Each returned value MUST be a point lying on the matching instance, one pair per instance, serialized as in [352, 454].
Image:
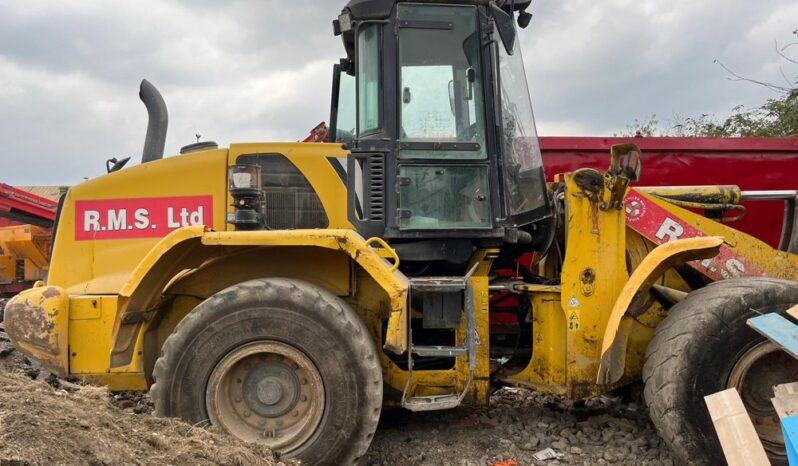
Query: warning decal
[574, 320]
[153, 217]
[660, 226]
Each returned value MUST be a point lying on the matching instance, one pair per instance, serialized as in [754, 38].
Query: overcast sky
[259, 70]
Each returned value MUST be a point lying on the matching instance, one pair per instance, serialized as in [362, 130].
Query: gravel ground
[518, 424]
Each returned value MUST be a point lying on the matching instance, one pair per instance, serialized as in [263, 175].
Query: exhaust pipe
[158, 121]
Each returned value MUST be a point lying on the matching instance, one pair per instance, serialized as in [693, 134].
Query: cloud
[245, 70]
[600, 65]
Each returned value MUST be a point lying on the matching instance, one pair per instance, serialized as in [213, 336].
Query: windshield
[522, 167]
[441, 103]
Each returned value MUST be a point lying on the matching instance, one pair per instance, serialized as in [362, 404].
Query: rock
[126, 404]
[529, 446]
[576, 451]
[653, 441]
[560, 445]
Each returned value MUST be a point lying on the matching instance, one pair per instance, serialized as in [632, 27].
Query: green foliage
[775, 118]
[644, 128]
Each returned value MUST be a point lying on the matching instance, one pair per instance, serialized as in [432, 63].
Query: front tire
[704, 346]
[279, 362]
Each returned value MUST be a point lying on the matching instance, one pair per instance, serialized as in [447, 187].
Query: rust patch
[51, 293]
[31, 324]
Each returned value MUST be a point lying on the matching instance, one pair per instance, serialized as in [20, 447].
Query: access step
[440, 351]
[431, 403]
[438, 284]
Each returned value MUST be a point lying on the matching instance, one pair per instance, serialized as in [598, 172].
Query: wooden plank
[786, 405]
[735, 430]
[785, 389]
[778, 330]
[793, 312]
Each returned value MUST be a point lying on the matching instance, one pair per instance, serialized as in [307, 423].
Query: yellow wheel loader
[287, 292]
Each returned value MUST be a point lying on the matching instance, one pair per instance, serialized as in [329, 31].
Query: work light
[244, 184]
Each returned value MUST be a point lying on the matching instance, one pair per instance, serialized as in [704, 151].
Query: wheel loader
[287, 292]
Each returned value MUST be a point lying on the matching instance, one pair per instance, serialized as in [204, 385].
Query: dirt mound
[40, 424]
[46, 420]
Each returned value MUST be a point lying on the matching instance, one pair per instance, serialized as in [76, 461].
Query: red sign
[661, 226]
[153, 217]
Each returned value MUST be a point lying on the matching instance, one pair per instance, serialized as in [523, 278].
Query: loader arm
[713, 249]
[741, 255]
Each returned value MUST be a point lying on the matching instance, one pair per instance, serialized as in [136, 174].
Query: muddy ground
[46, 420]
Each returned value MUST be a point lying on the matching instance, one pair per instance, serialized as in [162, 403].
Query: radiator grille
[289, 200]
[292, 208]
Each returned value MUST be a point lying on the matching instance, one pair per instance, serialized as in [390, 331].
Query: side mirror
[626, 162]
[506, 27]
[631, 165]
[625, 165]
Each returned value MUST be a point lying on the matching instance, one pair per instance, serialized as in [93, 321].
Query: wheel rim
[754, 375]
[266, 392]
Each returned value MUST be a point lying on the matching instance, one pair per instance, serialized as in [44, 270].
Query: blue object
[779, 330]
[789, 427]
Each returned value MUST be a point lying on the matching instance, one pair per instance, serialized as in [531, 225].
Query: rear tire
[281, 362]
[704, 346]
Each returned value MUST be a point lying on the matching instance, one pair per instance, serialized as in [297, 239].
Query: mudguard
[663, 257]
[37, 321]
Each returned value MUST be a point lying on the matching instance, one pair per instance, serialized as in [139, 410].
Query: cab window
[368, 78]
[441, 101]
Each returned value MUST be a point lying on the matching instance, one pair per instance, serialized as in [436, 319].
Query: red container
[750, 163]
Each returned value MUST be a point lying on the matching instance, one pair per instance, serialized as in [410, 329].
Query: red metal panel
[13, 199]
[153, 217]
[750, 163]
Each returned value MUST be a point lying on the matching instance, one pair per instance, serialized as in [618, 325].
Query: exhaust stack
[157, 124]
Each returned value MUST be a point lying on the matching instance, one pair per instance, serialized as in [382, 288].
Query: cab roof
[381, 9]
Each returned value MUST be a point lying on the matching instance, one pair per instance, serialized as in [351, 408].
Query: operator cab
[433, 103]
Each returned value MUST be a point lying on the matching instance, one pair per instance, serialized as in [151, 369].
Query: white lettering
[197, 217]
[733, 269]
[91, 220]
[170, 218]
[117, 220]
[183, 216]
[142, 219]
[671, 229]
